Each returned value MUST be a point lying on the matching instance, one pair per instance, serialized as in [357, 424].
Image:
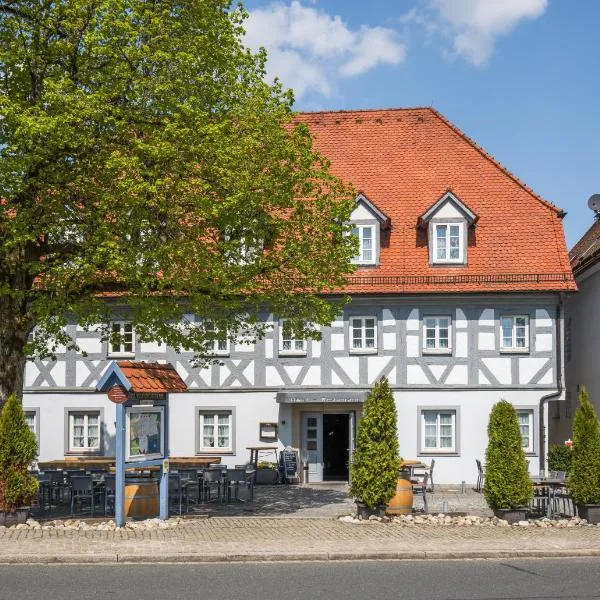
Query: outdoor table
[412, 465]
[550, 485]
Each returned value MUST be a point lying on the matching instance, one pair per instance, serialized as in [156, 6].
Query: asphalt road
[420, 580]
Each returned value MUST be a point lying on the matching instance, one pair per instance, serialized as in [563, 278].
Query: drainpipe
[560, 313]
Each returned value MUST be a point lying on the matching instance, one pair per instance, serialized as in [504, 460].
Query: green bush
[18, 448]
[559, 458]
[584, 478]
[507, 483]
[376, 462]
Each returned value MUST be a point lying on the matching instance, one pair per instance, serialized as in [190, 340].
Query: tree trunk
[15, 328]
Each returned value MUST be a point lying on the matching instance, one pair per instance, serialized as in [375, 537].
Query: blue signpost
[142, 429]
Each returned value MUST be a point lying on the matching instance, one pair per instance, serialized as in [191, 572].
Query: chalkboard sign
[288, 463]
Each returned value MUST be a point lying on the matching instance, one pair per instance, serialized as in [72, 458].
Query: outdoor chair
[419, 488]
[213, 478]
[178, 491]
[236, 479]
[430, 474]
[82, 491]
[480, 476]
[190, 481]
[44, 491]
[109, 493]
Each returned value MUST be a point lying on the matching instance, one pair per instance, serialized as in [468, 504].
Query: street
[550, 579]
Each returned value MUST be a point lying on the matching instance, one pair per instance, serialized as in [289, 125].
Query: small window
[364, 334]
[220, 344]
[31, 419]
[366, 244]
[288, 343]
[448, 243]
[436, 335]
[515, 333]
[525, 418]
[126, 345]
[84, 431]
[215, 431]
[438, 431]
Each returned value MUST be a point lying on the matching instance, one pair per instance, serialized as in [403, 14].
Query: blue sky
[519, 76]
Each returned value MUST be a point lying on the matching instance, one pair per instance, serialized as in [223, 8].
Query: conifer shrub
[560, 457]
[584, 478]
[507, 483]
[376, 460]
[18, 448]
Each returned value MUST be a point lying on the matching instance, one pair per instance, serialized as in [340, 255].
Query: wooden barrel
[401, 503]
[141, 497]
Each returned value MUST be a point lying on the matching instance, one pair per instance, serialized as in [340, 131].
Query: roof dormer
[367, 223]
[447, 223]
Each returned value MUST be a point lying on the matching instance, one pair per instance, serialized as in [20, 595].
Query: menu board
[289, 464]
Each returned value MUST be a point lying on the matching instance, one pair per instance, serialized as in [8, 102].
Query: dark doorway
[336, 442]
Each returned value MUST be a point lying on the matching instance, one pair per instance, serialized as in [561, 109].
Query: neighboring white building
[457, 300]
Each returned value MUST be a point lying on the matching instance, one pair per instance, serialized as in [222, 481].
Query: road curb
[181, 558]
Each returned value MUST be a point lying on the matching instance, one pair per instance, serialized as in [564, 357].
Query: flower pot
[512, 515]
[19, 516]
[589, 512]
[265, 476]
[363, 511]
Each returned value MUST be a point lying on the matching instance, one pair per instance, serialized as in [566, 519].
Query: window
[220, 343]
[364, 334]
[525, 418]
[515, 333]
[216, 431]
[126, 345]
[366, 241]
[84, 431]
[438, 430]
[242, 247]
[30, 419]
[448, 243]
[436, 335]
[288, 343]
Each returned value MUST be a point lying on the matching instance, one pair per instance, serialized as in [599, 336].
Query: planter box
[14, 518]
[265, 476]
[512, 515]
[364, 512]
[589, 512]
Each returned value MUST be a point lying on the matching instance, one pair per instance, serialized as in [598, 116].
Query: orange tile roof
[586, 252]
[404, 160]
[151, 377]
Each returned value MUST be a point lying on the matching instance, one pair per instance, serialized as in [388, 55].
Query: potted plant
[584, 478]
[507, 487]
[376, 462]
[18, 449]
[266, 472]
[560, 457]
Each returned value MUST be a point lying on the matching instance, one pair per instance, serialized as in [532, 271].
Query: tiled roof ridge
[587, 250]
[456, 130]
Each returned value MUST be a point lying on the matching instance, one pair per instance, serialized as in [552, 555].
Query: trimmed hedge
[560, 458]
[507, 483]
[376, 460]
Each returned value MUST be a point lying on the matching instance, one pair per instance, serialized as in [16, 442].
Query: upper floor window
[366, 244]
[515, 333]
[448, 243]
[220, 342]
[288, 342]
[436, 335]
[364, 334]
[125, 345]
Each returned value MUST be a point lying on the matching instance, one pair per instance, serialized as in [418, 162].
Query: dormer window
[366, 238]
[448, 242]
[367, 223]
[447, 223]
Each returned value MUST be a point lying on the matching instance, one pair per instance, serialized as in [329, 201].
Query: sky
[521, 77]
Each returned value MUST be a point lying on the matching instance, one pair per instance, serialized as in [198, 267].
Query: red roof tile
[151, 377]
[404, 160]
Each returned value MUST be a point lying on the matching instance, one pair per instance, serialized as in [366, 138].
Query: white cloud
[309, 49]
[476, 24]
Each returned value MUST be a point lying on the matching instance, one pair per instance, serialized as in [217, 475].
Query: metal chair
[190, 481]
[236, 478]
[109, 492]
[44, 491]
[213, 478]
[82, 491]
[430, 473]
[419, 488]
[177, 491]
[480, 476]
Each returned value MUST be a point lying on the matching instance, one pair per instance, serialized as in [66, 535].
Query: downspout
[560, 313]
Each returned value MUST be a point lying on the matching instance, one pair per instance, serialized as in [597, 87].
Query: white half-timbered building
[457, 300]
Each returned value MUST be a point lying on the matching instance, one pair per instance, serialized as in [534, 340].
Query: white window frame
[530, 448]
[215, 414]
[36, 417]
[363, 349]
[297, 345]
[218, 347]
[513, 347]
[437, 349]
[360, 259]
[113, 349]
[144, 409]
[438, 449]
[461, 242]
[86, 415]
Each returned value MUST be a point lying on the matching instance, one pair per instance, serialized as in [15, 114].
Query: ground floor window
[525, 418]
[215, 430]
[84, 431]
[438, 430]
[32, 421]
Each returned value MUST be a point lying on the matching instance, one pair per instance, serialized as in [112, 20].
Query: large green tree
[145, 165]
